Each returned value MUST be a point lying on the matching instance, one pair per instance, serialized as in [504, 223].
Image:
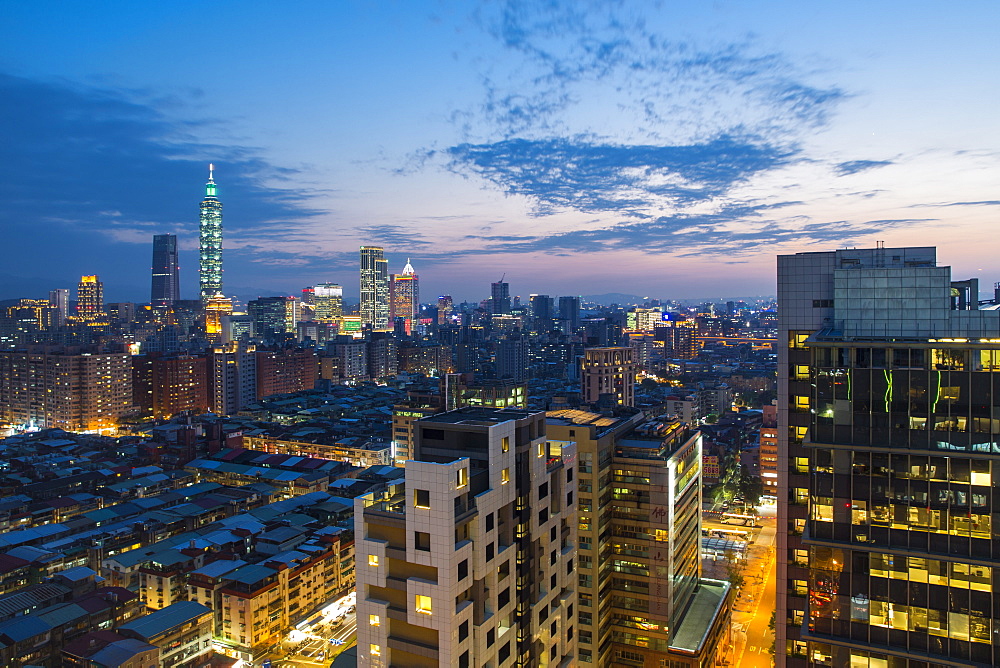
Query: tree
[751, 488]
[734, 571]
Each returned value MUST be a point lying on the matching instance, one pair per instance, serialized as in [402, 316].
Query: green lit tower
[210, 245]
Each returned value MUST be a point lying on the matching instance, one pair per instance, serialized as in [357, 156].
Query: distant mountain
[614, 298]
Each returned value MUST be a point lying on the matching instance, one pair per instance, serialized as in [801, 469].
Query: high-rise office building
[404, 297]
[165, 288]
[210, 242]
[59, 299]
[500, 298]
[307, 304]
[569, 314]
[328, 302]
[445, 304]
[270, 316]
[236, 327]
[542, 312]
[90, 298]
[374, 288]
[610, 371]
[888, 463]
[470, 560]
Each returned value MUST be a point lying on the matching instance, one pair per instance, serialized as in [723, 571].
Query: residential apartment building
[608, 371]
[73, 388]
[643, 600]
[260, 602]
[285, 371]
[232, 375]
[888, 463]
[470, 560]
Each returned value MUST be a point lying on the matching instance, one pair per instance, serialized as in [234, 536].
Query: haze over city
[667, 150]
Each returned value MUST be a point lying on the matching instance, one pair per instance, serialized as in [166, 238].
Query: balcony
[413, 647]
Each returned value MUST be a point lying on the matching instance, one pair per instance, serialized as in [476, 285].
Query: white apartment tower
[470, 560]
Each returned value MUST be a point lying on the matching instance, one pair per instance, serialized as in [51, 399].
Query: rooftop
[700, 616]
[474, 414]
[161, 621]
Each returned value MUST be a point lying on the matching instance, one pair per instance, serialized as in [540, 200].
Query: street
[752, 612]
[317, 641]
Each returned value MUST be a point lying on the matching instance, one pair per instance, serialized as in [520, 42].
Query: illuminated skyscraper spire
[404, 297]
[210, 244]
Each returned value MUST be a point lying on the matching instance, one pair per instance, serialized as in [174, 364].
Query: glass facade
[374, 288]
[902, 497]
[891, 479]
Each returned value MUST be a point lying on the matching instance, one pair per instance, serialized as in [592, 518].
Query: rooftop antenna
[211, 177]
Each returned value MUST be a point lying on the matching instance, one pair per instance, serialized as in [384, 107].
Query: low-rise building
[182, 631]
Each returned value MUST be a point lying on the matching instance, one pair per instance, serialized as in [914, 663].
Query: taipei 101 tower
[210, 246]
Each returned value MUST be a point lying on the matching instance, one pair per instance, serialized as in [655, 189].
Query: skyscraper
[888, 463]
[328, 302]
[90, 298]
[374, 288]
[542, 312]
[210, 242]
[445, 304]
[500, 293]
[165, 288]
[404, 297]
[270, 316]
[569, 314]
[59, 299]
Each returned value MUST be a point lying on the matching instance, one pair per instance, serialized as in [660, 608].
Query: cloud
[658, 139]
[563, 173]
[987, 202]
[855, 166]
[393, 235]
[599, 56]
[736, 230]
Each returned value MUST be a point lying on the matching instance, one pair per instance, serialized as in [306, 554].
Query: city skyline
[687, 144]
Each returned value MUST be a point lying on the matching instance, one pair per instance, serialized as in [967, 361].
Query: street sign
[337, 641]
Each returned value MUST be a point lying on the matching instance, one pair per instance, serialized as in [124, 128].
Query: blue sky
[667, 149]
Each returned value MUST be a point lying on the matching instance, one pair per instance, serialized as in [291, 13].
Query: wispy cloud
[986, 202]
[855, 166]
[598, 54]
[565, 173]
[684, 126]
